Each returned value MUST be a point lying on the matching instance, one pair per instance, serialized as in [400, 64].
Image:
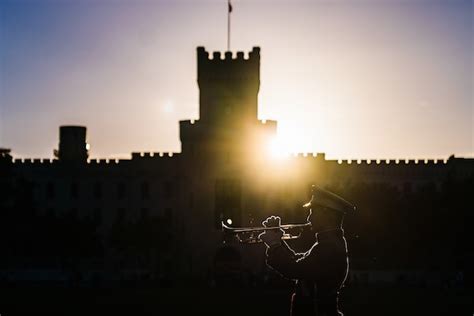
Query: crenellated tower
[228, 103]
[228, 87]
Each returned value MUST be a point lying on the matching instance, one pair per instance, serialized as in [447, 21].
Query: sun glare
[289, 140]
[277, 149]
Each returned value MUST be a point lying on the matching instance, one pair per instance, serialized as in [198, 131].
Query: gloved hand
[271, 237]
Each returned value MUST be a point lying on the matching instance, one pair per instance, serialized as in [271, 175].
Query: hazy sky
[354, 79]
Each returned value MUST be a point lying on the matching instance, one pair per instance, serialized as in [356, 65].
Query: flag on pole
[229, 10]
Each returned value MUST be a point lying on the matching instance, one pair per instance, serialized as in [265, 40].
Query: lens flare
[277, 148]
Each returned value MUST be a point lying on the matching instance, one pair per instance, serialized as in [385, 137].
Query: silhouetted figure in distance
[321, 271]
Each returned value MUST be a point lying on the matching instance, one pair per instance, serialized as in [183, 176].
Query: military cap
[321, 197]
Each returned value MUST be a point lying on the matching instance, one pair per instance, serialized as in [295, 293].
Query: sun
[277, 149]
[289, 140]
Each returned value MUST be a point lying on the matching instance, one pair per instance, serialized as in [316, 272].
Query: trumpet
[249, 235]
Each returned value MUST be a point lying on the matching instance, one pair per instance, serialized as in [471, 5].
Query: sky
[356, 79]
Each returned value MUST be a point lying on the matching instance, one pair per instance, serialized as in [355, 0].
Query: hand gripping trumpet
[249, 235]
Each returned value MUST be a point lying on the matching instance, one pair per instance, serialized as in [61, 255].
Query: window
[407, 187]
[50, 212]
[168, 214]
[120, 215]
[74, 212]
[97, 215]
[144, 213]
[168, 189]
[97, 190]
[121, 190]
[50, 192]
[74, 190]
[145, 190]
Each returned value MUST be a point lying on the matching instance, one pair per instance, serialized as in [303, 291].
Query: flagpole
[228, 24]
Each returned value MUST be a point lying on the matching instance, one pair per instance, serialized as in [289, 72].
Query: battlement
[227, 66]
[269, 126]
[268, 122]
[362, 162]
[38, 161]
[400, 162]
[35, 161]
[308, 156]
[110, 161]
[153, 155]
[203, 55]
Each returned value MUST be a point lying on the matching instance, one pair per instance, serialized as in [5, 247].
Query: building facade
[223, 173]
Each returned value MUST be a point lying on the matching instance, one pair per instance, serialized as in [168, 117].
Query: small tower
[228, 87]
[228, 104]
[72, 144]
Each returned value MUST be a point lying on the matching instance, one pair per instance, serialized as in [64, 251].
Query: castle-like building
[223, 172]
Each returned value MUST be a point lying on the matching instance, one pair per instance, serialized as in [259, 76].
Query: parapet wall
[110, 161]
[35, 161]
[305, 156]
[272, 124]
[152, 155]
[228, 66]
[45, 162]
[394, 161]
[307, 159]
[204, 56]
[309, 156]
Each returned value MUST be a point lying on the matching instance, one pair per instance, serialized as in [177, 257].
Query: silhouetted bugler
[320, 272]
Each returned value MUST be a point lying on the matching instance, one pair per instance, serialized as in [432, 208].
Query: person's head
[326, 209]
[324, 218]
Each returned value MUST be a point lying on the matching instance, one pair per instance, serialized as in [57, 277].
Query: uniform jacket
[319, 273]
